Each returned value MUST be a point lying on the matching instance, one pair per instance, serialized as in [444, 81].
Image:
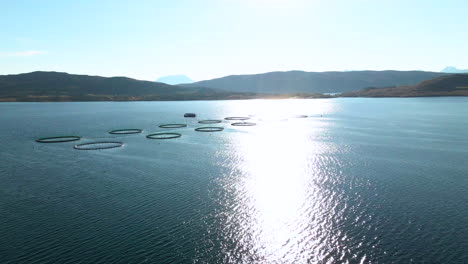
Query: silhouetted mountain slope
[451, 85]
[59, 86]
[315, 82]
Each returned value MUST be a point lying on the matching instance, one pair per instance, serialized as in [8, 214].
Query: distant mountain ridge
[315, 82]
[174, 79]
[451, 69]
[450, 85]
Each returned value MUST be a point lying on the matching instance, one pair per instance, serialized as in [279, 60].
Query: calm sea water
[357, 181]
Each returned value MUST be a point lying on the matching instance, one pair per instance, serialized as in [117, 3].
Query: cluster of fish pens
[241, 121]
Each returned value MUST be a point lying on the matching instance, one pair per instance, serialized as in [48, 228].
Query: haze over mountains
[315, 82]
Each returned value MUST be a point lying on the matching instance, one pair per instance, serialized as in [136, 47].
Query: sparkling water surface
[356, 181]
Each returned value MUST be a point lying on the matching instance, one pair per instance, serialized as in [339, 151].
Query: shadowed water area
[355, 181]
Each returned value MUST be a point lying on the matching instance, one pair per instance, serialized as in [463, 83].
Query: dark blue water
[357, 181]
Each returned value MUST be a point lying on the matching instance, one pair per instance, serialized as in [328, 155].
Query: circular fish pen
[243, 124]
[126, 131]
[209, 129]
[99, 145]
[209, 121]
[59, 139]
[173, 125]
[163, 135]
[240, 118]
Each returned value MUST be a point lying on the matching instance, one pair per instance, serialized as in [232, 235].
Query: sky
[205, 39]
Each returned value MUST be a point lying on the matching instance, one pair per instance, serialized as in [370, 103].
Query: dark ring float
[99, 145]
[163, 135]
[125, 131]
[243, 124]
[237, 118]
[209, 121]
[209, 129]
[173, 126]
[59, 139]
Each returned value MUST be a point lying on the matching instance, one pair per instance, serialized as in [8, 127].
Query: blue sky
[205, 39]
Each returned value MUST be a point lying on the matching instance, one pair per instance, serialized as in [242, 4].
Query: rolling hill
[315, 82]
[450, 85]
[59, 86]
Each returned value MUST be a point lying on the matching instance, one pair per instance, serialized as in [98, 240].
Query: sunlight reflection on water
[278, 211]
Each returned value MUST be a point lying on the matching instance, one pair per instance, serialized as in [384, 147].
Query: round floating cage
[126, 131]
[163, 135]
[173, 126]
[299, 116]
[58, 139]
[99, 145]
[209, 121]
[243, 124]
[237, 118]
[209, 129]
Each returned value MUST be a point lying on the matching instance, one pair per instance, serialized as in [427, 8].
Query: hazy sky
[204, 39]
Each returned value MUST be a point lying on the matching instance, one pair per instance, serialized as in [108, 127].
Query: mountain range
[449, 85]
[59, 86]
[315, 82]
